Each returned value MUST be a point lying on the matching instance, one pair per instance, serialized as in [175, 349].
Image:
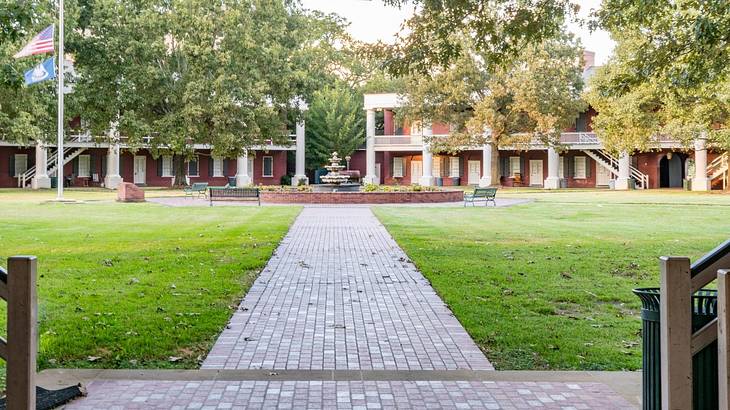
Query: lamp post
[348, 158]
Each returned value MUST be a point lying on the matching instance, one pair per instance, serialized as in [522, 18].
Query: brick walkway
[339, 293]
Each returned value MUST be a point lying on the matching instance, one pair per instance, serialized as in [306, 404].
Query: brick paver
[339, 293]
[347, 395]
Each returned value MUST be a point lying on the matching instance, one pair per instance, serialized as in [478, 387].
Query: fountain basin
[347, 187]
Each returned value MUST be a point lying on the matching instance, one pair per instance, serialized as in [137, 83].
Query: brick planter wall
[361, 197]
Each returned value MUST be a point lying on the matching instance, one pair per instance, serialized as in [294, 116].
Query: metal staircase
[719, 168]
[68, 155]
[609, 162]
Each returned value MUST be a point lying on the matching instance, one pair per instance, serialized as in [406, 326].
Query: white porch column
[41, 179]
[242, 177]
[486, 179]
[300, 176]
[553, 180]
[700, 182]
[370, 177]
[112, 178]
[624, 172]
[427, 176]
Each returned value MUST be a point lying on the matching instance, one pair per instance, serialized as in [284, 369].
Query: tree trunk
[496, 169]
[179, 172]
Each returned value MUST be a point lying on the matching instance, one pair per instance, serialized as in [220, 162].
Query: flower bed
[376, 197]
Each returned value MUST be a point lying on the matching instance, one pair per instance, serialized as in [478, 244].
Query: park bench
[199, 188]
[232, 193]
[481, 194]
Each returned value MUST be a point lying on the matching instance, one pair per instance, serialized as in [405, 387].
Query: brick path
[339, 293]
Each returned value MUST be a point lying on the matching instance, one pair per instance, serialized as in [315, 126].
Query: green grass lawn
[547, 285]
[136, 285]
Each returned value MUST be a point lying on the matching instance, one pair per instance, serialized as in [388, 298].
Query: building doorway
[671, 170]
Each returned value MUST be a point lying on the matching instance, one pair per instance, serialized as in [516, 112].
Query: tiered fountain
[335, 180]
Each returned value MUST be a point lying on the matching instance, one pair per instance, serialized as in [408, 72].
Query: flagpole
[59, 161]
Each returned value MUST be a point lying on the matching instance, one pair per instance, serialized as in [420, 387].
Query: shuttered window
[193, 167]
[455, 169]
[167, 166]
[84, 166]
[561, 167]
[579, 164]
[398, 167]
[217, 167]
[514, 166]
[268, 166]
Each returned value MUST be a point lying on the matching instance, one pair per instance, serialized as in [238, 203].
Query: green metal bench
[228, 193]
[481, 194]
[198, 188]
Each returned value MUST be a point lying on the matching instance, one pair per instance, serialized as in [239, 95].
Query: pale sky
[371, 21]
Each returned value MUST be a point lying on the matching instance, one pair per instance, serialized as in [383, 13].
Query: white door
[474, 172]
[416, 172]
[602, 175]
[536, 172]
[140, 170]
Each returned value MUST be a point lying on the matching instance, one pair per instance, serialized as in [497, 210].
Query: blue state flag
[42, 72]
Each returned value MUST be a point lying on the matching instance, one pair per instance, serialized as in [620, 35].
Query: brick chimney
[589, 59]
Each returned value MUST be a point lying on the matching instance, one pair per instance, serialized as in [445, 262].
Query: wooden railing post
[22, 346]
[723, 338]
[676, 333]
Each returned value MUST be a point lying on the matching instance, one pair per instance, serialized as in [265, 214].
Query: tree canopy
[536, 96]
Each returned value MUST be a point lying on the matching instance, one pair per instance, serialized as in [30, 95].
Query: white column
[624, 172]
[700, 182]
[486, 179]
[242, 177]
[300, 176]
[370, 177]
[112, 178]
[41, 178]
[553, 181]
[427, 176]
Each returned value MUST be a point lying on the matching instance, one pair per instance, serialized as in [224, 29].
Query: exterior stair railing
[608, 161]
[68, 155]
[680, 280]
[719, 168]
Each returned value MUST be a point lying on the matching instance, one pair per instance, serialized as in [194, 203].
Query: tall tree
[534, 97]
[335, 122]
[174, 73]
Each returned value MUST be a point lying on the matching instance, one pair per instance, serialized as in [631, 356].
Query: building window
[561, 167]
[84, 166]
[166, 165]
[268, 170]
[455, 169]
[21, 164]
[217, 167]
[193, 170]
[397, 167]
[436, 166]
[579, 171]
[514, 166]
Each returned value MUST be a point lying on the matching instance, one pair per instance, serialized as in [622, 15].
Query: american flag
[42, 43]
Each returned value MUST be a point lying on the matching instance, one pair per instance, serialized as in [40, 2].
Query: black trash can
[54, 182]
[704, 363]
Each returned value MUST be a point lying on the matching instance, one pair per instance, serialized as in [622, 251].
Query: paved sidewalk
[339, 293]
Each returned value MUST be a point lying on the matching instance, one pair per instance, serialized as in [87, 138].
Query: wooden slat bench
[481, 194]
[233, 193]
[199, 188]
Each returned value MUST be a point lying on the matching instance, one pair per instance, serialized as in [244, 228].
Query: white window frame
[515, 166]
[17, 160]
[197, 167]
[84, 166]
[398, 167]
[436, 167]
[263, 166]
[576, 168]
[454, 168]
[561, 167]
[167, 166]
[217, 167]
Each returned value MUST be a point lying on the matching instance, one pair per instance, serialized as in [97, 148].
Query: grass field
[135, 285]
[547, 285]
